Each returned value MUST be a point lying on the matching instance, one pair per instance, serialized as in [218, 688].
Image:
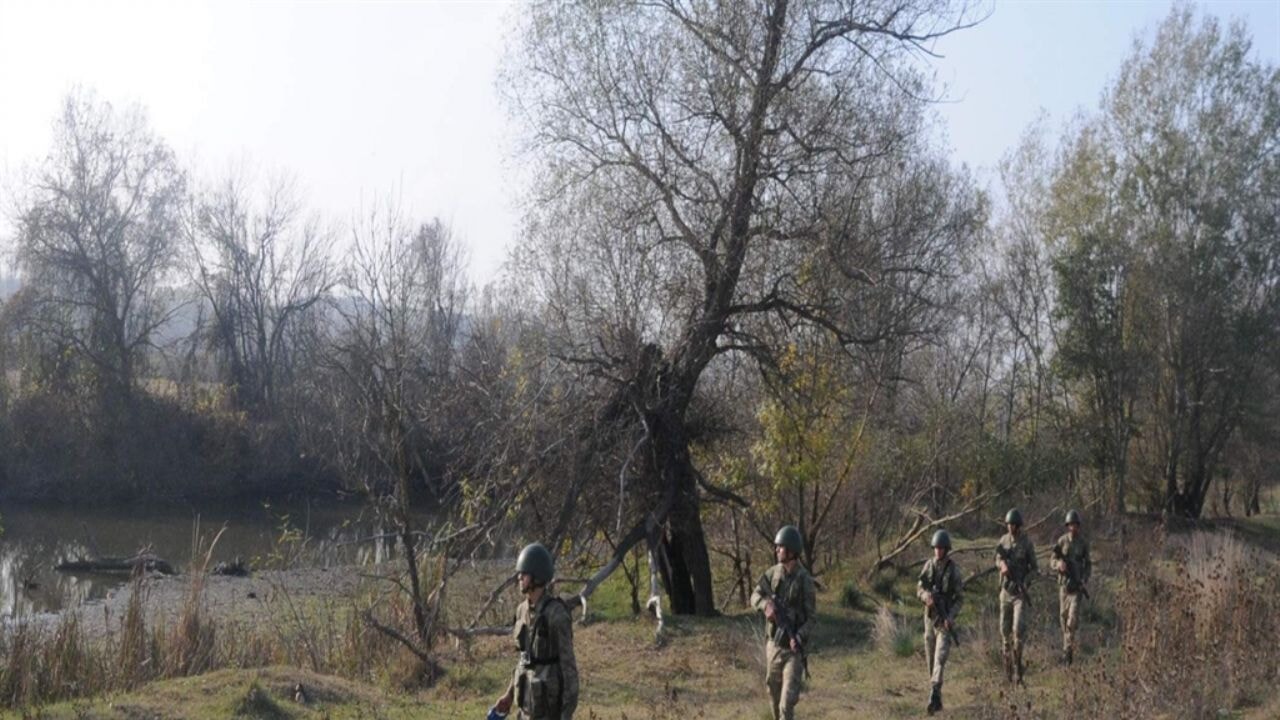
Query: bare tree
[97, 236]
[400, 313]
[260, 266]
[706, 166]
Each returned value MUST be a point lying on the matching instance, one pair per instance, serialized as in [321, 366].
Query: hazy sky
[361, 99]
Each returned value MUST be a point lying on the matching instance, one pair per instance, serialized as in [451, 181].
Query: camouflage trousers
[1069, 608]
[1013, 622]
[937, 647]
[783, 678]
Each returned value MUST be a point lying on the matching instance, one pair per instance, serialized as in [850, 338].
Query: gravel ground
[226, 600]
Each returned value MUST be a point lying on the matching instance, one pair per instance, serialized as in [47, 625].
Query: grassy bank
[1177, 628]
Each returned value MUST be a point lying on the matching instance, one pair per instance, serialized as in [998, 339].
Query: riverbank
[300, 532]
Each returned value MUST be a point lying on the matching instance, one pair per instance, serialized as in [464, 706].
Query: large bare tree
[97, 235]
[705, 168]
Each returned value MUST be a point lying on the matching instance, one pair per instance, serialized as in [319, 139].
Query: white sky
[362, 99]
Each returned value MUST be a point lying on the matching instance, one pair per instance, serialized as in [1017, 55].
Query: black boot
[1008, 667]
[1017, 661]
[935, 700]
[1068, 655]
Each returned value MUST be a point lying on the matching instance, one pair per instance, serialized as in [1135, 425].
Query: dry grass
[1197, 620]
[893, 635]
[43, 664]
[1184, 629]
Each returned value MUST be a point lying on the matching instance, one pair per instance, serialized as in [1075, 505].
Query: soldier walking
[545, 686]
[1074, 566]
[1016, 561]
[785, 594]
[939, 589]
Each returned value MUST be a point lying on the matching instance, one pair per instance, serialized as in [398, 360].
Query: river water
[35, 539]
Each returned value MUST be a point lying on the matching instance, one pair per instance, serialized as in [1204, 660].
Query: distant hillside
[190, 306]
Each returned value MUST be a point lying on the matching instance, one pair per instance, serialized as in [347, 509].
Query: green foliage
[811, 433]
[612, 599]
[850, 597]
[804, 422]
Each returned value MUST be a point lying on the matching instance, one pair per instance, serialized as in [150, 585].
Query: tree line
[750, 288]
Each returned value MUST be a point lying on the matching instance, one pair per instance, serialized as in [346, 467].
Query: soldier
[785, 594]
[939, 589]
[545, 686]
[1016, 561]
[1074, 567]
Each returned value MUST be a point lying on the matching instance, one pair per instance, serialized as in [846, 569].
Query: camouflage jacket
[941, 577]
[1021, 554]
[546, 678]
[1079, 564]
[795, 591]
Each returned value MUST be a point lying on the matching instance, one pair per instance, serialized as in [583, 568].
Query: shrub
[893, 635]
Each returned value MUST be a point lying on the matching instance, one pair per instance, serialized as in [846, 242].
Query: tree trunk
[1253, 504]
[688, 580]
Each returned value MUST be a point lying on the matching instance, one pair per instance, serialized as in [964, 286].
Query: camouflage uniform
[1021, 554]
[785, 670]
[546, 680]
[1076, 553]
[943, 578]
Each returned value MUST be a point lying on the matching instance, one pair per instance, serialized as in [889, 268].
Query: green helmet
[1013, 517]
[1073, 516]
[941, 539]
[536, 560]
[789, 537]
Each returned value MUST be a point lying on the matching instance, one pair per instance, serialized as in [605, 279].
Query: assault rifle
[1074, 583]
[786, 631]
[1020, 582]
[941, 611]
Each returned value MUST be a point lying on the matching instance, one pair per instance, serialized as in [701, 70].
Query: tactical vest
[1073, 552]
[1019, 559]
[941, 583]
[539, 684]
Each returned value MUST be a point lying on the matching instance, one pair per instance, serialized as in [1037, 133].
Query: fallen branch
[637, 533]
[978, 548]
[923, 523]
[146, 562]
